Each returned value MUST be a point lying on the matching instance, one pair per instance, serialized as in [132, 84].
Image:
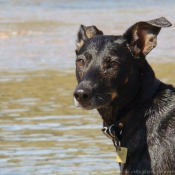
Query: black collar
[114, 131]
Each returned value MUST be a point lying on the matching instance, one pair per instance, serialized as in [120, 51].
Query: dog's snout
[82, 95]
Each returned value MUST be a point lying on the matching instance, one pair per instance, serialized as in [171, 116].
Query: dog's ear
[142, 36]
[85, 33]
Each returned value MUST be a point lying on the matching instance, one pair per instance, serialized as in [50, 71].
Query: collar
[114, 131]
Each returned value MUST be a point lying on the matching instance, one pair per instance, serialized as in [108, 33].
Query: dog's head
[108, 67]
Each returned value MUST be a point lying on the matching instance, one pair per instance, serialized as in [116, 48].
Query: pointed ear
[142, 36]
[85, 33]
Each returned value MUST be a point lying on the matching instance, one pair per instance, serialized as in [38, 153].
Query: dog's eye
[114, 64]
[80, 62]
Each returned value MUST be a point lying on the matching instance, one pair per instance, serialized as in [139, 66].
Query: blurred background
[41, 132]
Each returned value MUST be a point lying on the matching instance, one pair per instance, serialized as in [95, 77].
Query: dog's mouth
[83, 105]
[89, 102]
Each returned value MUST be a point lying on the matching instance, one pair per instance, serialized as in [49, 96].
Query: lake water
[41, 132]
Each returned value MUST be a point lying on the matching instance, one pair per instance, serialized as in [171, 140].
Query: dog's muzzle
[83, 94]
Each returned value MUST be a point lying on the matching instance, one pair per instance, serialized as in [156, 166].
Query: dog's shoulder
[161, 128]
[161, 112]
[165, 97]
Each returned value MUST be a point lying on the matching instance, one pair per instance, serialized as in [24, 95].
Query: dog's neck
[113, 113]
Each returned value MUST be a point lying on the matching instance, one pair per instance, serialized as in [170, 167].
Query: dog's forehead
[102, 43]
[103, 40]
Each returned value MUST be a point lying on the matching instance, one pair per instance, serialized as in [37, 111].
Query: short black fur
[115, 78]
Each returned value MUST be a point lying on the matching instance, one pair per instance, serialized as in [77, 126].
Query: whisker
[101, 98]
[105, 93]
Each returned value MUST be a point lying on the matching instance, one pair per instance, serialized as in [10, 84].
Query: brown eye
[114, 64]
[80, 62]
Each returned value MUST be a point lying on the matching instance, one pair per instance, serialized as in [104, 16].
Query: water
[41, 132]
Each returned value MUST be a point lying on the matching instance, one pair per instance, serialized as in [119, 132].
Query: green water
[41, 131]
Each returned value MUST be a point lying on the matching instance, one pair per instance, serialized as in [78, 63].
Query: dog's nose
[82, 95]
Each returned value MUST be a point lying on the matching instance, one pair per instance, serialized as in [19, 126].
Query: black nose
[82, 95]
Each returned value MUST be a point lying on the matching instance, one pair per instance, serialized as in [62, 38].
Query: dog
[137, 109]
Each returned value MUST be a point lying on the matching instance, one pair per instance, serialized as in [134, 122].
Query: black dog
[137, 109]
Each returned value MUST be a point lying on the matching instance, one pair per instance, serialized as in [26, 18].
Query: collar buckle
[111, 133]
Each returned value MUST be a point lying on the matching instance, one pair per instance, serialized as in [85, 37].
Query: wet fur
[150, 135]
